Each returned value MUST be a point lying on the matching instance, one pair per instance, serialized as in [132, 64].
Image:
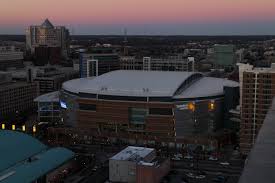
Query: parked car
[177, 157]
[200, 176]
[188, 157]
[213, 158]
[95, 168]
[224, 163]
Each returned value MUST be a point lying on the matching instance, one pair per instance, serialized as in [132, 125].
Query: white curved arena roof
[149, 84]
[206, 87]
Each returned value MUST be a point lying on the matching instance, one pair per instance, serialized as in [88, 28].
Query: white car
[200, 176]
[212, 158]
[179, 155]
[191, 175]
[95, 168]
[224, 163]
[176, 158]
[188, 157]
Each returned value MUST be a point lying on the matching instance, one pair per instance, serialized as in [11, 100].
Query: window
[87, 107]
[137, 115]
[161, 111]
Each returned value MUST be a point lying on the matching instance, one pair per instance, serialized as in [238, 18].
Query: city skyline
[173, 17]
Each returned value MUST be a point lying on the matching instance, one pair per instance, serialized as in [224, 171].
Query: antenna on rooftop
[125, 41]
[125, 35]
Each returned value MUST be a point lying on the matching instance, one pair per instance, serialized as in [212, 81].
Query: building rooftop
[132, 153]
[24, 159]
[206, 87]
[13, 85]
[149, 84]
[251, 68]
[260, 166]
[41, 71]
[47, 24]
[48, 97]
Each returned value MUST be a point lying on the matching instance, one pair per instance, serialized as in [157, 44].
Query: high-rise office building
[47, 35]
[257, 92]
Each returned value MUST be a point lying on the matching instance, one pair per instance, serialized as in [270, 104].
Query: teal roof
[24, 159]
[16, 147]
[40, 165]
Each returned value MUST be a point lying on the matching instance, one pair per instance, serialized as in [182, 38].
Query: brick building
[257, 92]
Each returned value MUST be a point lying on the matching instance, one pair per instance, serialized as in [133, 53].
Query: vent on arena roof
[145, 89]
[104, 88]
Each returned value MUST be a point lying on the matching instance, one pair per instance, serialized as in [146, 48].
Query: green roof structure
[24, 159]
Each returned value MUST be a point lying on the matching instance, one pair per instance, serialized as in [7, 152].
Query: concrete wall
[122, 171]
[152, 174]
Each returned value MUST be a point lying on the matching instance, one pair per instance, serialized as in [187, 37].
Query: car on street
[95, 168]
[177, 157]
[188, 157]
[213, 158]
[225, 163]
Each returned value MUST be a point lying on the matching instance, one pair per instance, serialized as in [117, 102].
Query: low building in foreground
[137, 164]
[24, 159]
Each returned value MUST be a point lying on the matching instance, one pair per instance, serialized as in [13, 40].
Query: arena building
[149, 106]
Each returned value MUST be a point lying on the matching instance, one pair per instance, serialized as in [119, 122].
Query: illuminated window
[13, 127]
[191, 106]
[3, 126]
[23, 128]
[34, 129]
[211, 105]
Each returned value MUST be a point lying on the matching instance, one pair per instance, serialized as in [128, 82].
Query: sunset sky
[188, 17]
